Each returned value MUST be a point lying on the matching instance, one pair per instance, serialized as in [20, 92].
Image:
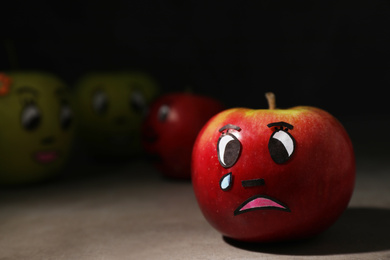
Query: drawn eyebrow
[229, 126]
[135, 85]
[27, 89]
[281, 124]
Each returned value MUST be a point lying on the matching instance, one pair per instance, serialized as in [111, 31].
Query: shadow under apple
[358, 230]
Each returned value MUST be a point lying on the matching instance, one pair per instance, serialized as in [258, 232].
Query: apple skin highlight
[316, 183]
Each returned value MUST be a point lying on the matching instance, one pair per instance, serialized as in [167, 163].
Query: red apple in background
[171, 127]
[272, 175]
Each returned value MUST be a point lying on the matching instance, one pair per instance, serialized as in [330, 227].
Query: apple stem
[271, 100]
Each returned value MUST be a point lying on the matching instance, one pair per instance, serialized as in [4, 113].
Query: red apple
[272, 174]
[171, 127]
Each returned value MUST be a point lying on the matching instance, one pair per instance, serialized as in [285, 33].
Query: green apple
[110, 108]
[36, 126]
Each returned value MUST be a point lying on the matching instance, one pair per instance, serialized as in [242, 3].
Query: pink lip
[45, 156]
[260, 202]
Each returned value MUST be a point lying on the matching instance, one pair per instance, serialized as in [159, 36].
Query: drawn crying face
[281, 147]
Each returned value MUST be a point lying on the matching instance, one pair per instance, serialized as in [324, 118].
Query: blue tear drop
[226, 181]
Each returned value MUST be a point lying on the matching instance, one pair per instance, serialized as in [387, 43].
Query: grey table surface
[128, 211]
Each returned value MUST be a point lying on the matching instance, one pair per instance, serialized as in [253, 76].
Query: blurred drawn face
[36, 126]
[111, 108]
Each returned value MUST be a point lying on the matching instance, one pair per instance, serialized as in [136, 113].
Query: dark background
[331, 54]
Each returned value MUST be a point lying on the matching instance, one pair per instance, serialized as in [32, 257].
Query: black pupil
[232, 151]
[100, 102]
[31, 117]
[277, 151]
[66, 117]
[137, 103]
[163, 113]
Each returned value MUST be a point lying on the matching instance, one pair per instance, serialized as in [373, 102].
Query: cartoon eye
[229, 149]
[66, 116]
[137, 102]
[100, 102]
[163, 113]
[31, 117]
[281, 146]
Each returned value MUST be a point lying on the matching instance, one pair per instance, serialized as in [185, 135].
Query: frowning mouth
[258, 202]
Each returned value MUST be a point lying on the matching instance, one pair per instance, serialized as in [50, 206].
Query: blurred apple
[110, 108]
[36, 126]
[171, 127]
